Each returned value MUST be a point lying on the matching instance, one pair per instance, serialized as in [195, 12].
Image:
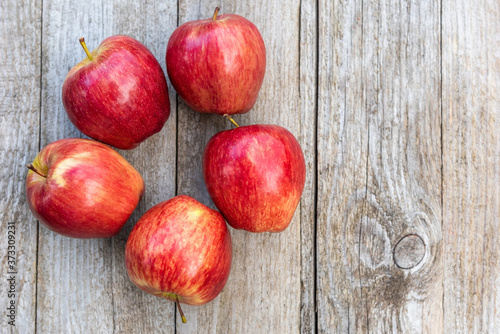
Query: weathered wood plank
[379, 166]
[19, 129]
[263, 291]
[308, 110]
[84, 282]
[471, 166]
[74, 276]
[342, 156]
[405, 167]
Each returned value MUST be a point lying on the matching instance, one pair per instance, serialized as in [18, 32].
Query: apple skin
[180, 250]
[89, 190]
[217, 66]
[120, 97]
[255, 175]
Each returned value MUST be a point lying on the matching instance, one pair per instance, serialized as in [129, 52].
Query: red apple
[81, 188]
[217, 65]
[180, 250]
[255, 176]
[118, 94]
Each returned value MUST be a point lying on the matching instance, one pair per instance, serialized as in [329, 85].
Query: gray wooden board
[74, 276]
[308, 76]
[379, 165]
[19, 127]
[395, 104]
[263, 291]
[84, 282]
[471, 166]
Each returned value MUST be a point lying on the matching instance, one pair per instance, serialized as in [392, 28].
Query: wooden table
[395, 104]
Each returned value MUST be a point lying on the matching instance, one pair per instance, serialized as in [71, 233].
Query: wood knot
[409, 251]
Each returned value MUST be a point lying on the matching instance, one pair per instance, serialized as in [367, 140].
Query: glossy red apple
[118, 94]
[217, 65]
[81, 188]
[255, 175]
[180, 250]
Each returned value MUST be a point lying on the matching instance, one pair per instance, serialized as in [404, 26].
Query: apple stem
[215, 13]
[31, 167]
[82, 42]
[231, 120]
[180, 311]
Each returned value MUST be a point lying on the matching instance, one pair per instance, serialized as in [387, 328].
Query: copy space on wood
[379, 166]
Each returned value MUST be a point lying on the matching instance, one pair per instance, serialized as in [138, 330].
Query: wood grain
[308, 107]
[263, 291]
[471, 166]
[84, 281]
[19, 127]
[74, 276]
[379, 165]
